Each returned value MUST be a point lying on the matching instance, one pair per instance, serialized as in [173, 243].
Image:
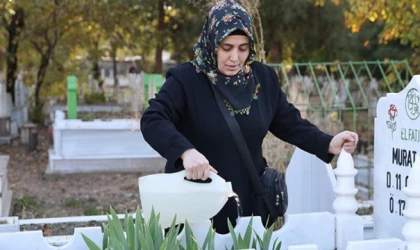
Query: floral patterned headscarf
[241, 89]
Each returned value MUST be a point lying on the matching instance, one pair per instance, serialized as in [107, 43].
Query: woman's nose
[234, 56]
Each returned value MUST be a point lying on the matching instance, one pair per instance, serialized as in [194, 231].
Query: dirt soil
[37, 195]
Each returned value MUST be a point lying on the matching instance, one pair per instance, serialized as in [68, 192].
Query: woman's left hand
[346, 139]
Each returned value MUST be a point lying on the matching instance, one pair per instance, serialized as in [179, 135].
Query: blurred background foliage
[50, 39]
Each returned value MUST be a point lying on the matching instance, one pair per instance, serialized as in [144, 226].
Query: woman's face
[232, 53]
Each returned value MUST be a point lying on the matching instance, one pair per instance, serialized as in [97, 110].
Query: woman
[184, 123]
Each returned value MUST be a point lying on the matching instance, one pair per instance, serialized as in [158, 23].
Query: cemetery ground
[37, 195]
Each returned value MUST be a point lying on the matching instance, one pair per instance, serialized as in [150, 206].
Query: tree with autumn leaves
[399, 21]
[50, 39]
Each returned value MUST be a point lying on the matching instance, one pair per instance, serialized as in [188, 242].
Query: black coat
[185, 115]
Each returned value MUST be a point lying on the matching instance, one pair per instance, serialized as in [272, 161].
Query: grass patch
[25, 207]
[72, 203]
[88, 117]
[365, 211]
[26, 203]
[90, 210]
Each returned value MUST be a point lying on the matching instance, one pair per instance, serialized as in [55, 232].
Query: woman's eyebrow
[231, 45]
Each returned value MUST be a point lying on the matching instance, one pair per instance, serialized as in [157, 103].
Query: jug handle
[208, 180]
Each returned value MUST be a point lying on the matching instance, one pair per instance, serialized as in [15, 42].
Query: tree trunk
[14, 30]
[114, 69]
[276, 52]
[95, 69]
[45, 60]
[161, 30]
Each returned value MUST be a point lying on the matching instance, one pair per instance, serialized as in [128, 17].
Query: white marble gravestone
[310, 184]
[397, 142]
[3, 101]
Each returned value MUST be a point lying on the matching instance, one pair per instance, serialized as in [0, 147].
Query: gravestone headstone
[397, 142]
[152, 84]
[72, 97]
[3, 100]
[310, 184]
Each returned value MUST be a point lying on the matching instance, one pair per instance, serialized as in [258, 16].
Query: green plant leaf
[105, 238]
[209, 240]
[264, 243]
[233, 234]
[139, 226]
[164, 245]
[275, 246]
[172, 235]
[267, 237]
[91, 245]
[143, 241]
[248, 235]
[188, 236]
[129, 228]
[155, 230]
[260, 241]
[147, 234]
[158, 233]
[181, 248]
[240, 242]
[116, 229]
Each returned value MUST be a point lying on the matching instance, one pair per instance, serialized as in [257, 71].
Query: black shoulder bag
[270, 188]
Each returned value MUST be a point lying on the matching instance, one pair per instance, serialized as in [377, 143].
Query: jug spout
[229, 189]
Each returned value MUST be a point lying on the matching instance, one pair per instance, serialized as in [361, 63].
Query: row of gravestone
[4, 108]
[14, 116]
[5, 192]
[397, 210]
[304, 231]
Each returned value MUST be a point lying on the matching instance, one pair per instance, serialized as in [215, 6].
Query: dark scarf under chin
[238, 96]
[240, 90]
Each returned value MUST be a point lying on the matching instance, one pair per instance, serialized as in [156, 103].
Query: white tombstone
[21, 102]
[310, 183]
[376, 244]
[3, 100]
[303, 247]
[397, 141]
[5, 192]
[137, 92]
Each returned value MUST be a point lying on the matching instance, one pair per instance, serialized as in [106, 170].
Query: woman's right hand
[197, 165]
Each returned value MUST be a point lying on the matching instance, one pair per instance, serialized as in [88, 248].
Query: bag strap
[240, 143]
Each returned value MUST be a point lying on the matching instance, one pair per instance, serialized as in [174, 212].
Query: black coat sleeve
[289, 126]
[158, 123]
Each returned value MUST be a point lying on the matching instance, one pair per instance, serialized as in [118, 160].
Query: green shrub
[247, 241]
[138, 234]
[90, 210]
[88, 117]
[36, 115]
[26, 202]
[94, 98]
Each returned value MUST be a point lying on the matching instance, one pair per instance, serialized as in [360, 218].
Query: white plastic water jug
[172, 194]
